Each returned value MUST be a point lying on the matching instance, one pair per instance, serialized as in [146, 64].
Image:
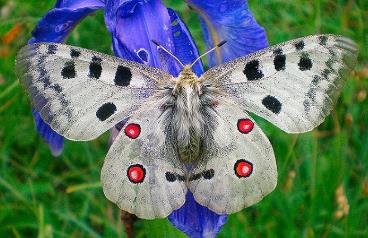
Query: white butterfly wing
[142, 173]
[81, 93]
[294, 84]
[237, 168]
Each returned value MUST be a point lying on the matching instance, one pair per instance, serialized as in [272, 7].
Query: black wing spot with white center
[305, 63]
[252, 71]
[123, 76]
[68, 70]
[74, 53]
[95, 68]
[299, 45]
[272, 104]
[106, 111]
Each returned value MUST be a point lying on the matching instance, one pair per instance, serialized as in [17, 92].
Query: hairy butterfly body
[186, 133]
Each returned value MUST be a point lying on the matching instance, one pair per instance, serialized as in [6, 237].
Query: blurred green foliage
[323, 175]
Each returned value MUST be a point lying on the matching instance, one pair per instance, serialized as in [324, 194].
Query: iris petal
[196, 220]
[55, 27]
[134, 24]
[229, 20]
[54, 140]
[185, 48]
[76, 4]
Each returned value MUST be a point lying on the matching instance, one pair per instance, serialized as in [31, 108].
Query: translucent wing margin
[294, 84]
[82, 93]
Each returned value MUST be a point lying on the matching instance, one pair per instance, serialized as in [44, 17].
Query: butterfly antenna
[164, 49]
[214, 48]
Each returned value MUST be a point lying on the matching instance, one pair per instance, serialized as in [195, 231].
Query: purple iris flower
[133, 24]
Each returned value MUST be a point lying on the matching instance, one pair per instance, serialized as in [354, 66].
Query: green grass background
[42, 196]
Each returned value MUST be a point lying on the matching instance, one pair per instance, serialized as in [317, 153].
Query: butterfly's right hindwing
[142, 172]
[81, 93]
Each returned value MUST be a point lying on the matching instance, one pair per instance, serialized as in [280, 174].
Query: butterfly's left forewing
[142, 172]
[237, 167]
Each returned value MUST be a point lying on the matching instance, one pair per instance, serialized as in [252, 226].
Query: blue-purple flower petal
[76, 4]
[54, 140]
[197, 221]
[134, 24]
[55, 27]
[229, 20]
[184, 46]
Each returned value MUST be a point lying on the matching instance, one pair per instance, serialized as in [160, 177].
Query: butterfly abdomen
[188, 121]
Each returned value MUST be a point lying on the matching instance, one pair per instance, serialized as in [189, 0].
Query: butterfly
[187, 132]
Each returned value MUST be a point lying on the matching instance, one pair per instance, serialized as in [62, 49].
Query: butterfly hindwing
[82, 93]
[142, 173]
[237, 168]
[294, 84]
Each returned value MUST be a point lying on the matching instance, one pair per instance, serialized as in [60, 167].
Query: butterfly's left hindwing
[142, 172]
[237, 167]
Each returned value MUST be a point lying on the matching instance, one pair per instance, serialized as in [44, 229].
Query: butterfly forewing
[81, 93]
[142, 172]
[294, 84]
[238, 168]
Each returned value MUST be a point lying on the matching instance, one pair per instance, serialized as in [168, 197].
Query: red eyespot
[243, 168]
[132, 130]
[245, 125]
[136, 173]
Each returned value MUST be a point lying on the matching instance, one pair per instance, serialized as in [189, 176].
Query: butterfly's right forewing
[294, 84]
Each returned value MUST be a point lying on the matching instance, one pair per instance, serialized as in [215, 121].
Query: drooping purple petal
[197, 221]
[55, 27]
[54, 140]
[229, 20]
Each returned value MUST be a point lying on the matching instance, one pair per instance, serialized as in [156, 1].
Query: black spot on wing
[279, 62]
[106, 111]
[195, 177]
[305, 63]
[322, 40]
[272, 104]
[208, 174]
[74, 53]
[51, 49]
[181, 178]
[277, 51]
[299, 45]
[95, 68]
[123, 76]
[170, 177]
[68, 70]
[252, 71]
